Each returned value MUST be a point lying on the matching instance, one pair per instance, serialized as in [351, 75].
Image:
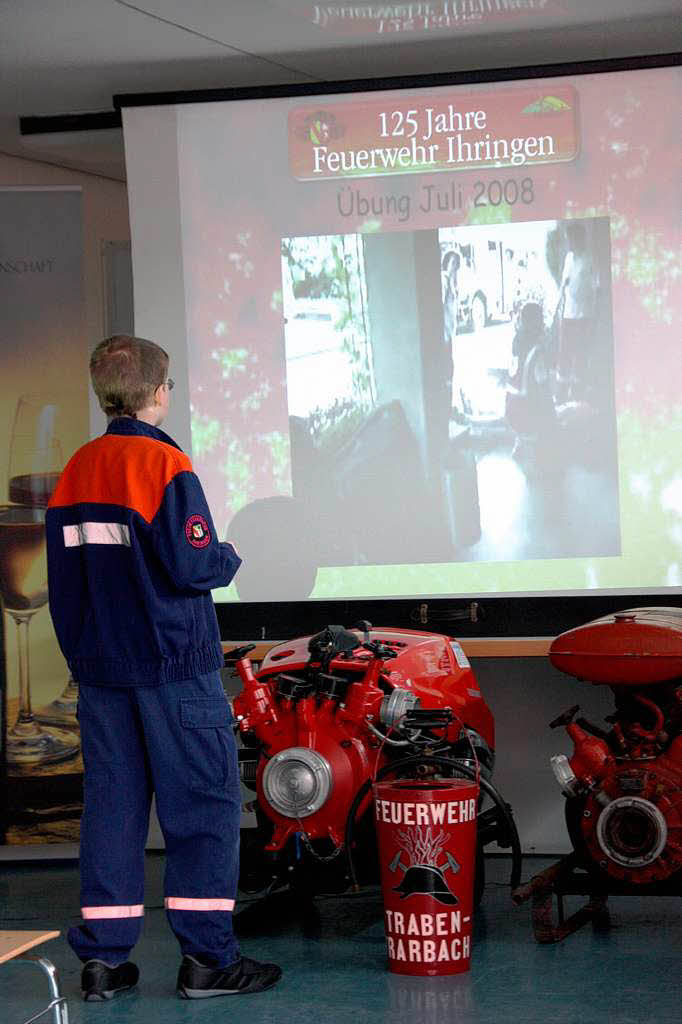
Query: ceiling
[72, 56]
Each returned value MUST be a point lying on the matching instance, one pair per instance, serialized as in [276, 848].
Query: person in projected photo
[576, 308]
[450, 265]
[529, 403]
[132, 558]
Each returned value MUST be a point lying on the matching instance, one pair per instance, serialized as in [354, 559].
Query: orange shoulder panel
[120, 470]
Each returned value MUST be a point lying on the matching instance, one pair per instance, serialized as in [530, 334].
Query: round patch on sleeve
[197, 531]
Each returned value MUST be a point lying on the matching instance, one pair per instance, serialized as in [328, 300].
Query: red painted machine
[327, 714]
[623, 783]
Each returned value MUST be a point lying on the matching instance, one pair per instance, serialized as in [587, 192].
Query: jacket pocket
[208, 741]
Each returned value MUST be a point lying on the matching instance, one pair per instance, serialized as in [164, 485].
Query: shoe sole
[101, 997]
[204, 993]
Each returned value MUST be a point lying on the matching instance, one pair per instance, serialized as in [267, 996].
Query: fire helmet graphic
[424, 880]
[423, 875]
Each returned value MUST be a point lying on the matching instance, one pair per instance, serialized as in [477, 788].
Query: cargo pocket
[208, 741]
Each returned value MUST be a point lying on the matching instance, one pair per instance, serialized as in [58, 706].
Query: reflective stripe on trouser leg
[114, 825]
[111, 913]
[184, 903]
[193, 761]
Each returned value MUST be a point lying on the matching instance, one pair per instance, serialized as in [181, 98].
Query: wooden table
[473, 646]
[15, 943]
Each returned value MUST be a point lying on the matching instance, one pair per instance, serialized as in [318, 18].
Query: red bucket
[427, 849]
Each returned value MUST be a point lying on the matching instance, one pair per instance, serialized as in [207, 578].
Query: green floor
[334, 962]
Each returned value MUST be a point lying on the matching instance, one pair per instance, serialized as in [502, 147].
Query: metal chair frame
[57, 1007]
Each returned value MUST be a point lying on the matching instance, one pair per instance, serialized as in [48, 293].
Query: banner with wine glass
[44, 417]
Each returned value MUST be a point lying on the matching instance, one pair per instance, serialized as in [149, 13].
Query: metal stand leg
[60, 1011]
[541, 891]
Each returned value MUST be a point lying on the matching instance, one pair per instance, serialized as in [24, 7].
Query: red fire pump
[623, 783]
[327, 714]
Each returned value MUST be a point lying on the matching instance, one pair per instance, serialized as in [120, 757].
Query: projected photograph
[450, 393]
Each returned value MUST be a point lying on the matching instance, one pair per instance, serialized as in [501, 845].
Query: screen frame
[487, 616]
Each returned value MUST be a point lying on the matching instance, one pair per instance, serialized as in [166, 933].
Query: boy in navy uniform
[132, 558]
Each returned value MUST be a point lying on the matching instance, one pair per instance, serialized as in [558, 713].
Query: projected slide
[412, 425]
[431, 336]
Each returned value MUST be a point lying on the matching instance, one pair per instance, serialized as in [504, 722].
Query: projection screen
[427, 340]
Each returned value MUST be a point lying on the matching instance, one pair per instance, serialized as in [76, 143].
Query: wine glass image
[62, 710]
[35, 462]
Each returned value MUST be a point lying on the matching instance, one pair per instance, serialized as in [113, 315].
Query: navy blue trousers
[174, 741]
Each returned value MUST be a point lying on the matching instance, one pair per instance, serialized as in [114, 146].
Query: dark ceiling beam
[655, 60]
[59, 123]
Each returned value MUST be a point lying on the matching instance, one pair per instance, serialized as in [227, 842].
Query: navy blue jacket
[132, 556]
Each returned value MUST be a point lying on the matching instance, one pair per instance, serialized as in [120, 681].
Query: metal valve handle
[237, 653]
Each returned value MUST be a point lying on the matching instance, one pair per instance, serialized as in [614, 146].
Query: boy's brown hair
[125, 372]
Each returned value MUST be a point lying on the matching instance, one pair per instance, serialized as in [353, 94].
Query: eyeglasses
[169, 384]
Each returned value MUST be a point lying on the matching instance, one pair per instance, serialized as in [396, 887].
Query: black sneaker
[246, 976]
[99, 981]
